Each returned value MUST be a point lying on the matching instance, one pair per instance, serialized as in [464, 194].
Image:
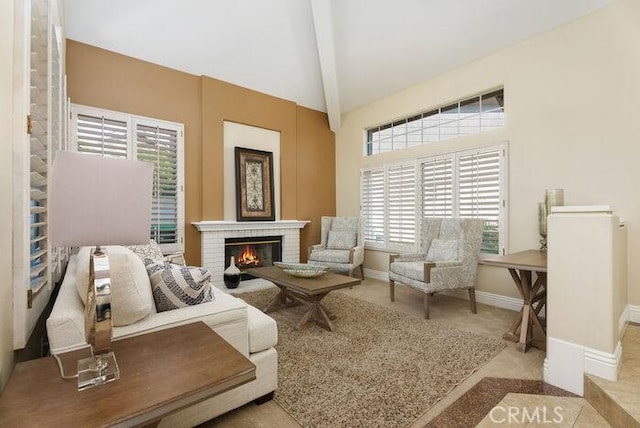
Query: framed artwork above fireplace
[254, 185]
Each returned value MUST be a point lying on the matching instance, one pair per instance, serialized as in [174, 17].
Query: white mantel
[223, 225]
[215, 232]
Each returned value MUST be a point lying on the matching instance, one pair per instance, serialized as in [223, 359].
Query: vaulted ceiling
[329, 55]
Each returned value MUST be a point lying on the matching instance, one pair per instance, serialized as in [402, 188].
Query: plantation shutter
[402, 203]
[373, 205]
[436, 177]
[103, 136]
[38, 261]
[159, 146]
[479, 194]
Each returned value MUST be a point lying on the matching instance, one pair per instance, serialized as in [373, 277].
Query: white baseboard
[497, 300]
[376, 274]
[603, 364]
[567, 363]
[564, 365]
[634, 313]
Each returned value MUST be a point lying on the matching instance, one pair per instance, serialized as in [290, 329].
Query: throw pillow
[130, 288]
[147, 251]
[443, 250]
[341, 240]
[175, 286]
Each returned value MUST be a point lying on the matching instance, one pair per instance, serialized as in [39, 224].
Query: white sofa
[249, 330]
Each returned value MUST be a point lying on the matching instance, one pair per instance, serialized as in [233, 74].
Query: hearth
[252, 252]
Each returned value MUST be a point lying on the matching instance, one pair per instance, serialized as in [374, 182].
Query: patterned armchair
[450, 250]
[341, 245]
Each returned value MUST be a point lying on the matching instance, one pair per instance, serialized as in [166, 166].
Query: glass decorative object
[542, 224]
[552, 198]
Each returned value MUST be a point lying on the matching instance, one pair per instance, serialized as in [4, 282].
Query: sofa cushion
[176, 286]
[263, 331]
[147, 251]
[443, 250]
[131, 298]
[341, 240]
[330, 256]
[413, 270]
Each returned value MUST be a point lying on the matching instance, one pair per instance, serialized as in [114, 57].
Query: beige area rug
[379, 368]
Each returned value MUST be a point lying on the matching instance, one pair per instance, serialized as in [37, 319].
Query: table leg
[511, 334]
[306, 316]
[280, 301]
[323, 318]
[528, 320]
[320, 315]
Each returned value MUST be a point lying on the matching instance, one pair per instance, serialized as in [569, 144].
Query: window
[464, 117]
[107, 133]
[389, 204]
[468, 184]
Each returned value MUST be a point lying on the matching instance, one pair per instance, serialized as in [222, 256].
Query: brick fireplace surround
[213, 234]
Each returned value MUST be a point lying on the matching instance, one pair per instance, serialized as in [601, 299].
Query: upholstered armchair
[450, 250]
[341, 245]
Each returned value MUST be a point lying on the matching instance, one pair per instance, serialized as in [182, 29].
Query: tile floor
[489, 321]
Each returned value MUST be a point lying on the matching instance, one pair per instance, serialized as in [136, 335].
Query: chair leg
[472, 300]
[427, 301]
[362, 272]
[392, 287]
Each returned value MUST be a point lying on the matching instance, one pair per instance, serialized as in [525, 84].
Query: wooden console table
[160, 373]
[534, 295]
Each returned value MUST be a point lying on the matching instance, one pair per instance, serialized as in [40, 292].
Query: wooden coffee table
[294, 291]
[160, 373]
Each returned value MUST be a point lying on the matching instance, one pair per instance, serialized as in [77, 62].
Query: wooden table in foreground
[160, 373]
[534, 294]
[310, 290]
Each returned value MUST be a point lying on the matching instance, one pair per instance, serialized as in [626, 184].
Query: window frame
[455, 156]
[391, 135]
[132, 121]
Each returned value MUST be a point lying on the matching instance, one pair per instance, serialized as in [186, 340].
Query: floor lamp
[96, 201]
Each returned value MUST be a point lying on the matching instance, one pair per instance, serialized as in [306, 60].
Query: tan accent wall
[572, 98]
[316, 174]
[105, 79]
[224, 101]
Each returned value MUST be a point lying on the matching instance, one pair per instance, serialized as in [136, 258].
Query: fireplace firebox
[252, 252]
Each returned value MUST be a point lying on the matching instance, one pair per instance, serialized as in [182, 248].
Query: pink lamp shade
[97, 200]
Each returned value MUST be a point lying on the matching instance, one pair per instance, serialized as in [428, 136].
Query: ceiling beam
[323, 24]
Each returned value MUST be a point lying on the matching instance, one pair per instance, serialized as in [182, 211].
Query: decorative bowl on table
[302, 270]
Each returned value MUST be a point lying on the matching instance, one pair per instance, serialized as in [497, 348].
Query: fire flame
[249, 257]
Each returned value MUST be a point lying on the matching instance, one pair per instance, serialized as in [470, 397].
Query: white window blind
[479, 193]
[373, 204]
[159, 146]
[39, 274]
[114, 134]
[103, 136]
[469, 184]
[402, 203]
[436, 177]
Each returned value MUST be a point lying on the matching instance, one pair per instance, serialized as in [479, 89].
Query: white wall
[572, 102]
[6, 195]
[238, 135]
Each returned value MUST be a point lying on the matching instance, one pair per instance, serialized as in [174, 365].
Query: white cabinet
[39, 131]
